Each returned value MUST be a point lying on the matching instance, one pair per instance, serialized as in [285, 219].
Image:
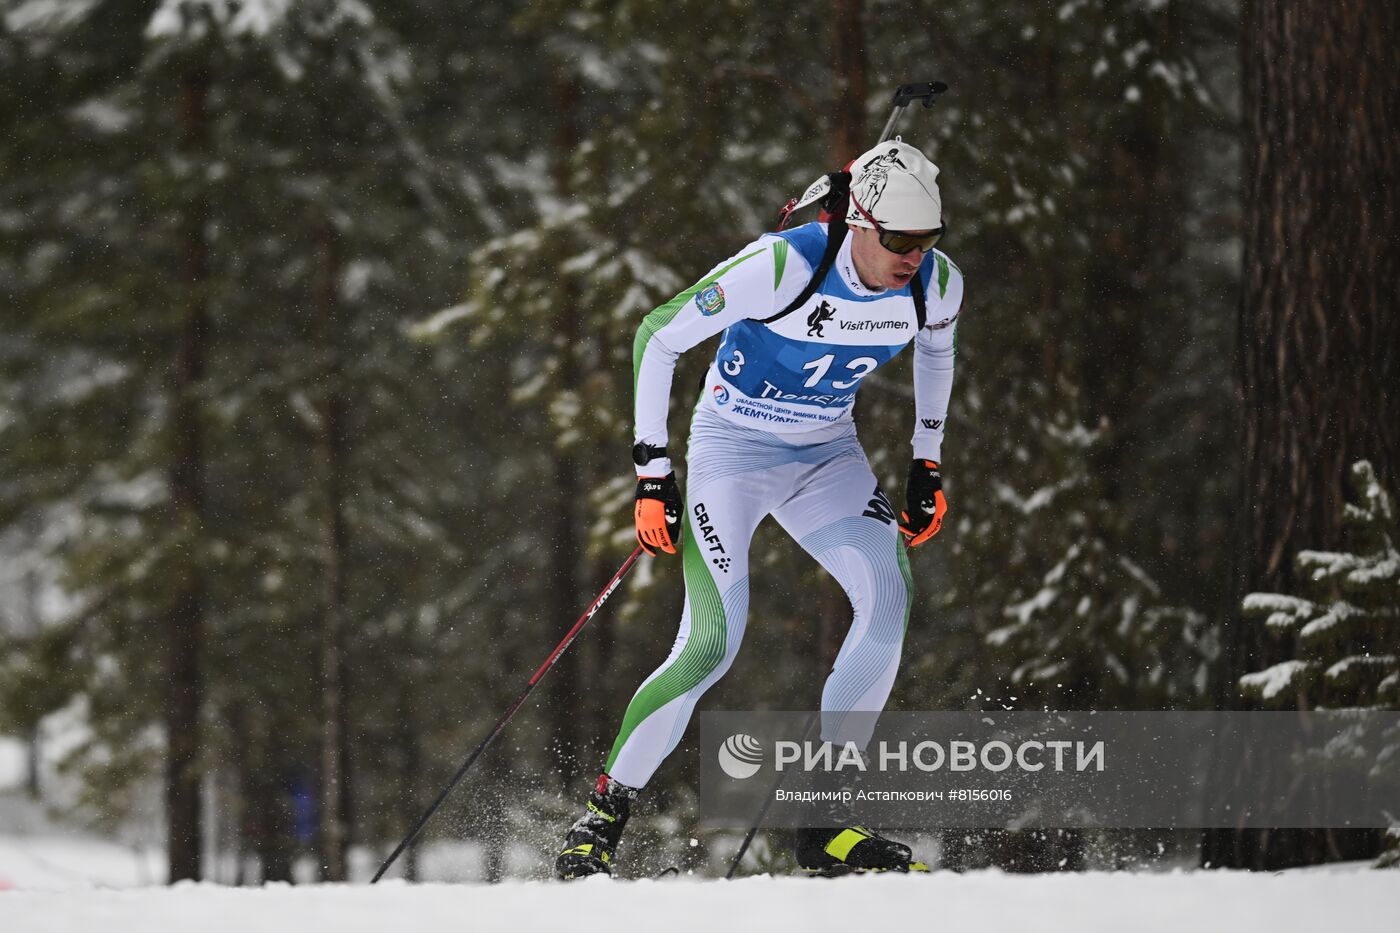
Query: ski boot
[851, 850]
[592, 841]
[841, 845]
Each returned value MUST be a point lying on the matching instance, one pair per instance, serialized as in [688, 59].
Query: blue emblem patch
[721, 395]
[710, 300]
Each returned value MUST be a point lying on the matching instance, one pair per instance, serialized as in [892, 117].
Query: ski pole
[519, 701]
[763, 810]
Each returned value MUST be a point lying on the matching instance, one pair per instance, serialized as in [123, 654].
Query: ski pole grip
[905, 95]
[927, 92]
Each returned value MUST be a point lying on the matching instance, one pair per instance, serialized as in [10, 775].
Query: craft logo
[721, 395]
[740, 756]
[943, 323]
[710, 300]
[933, 424]
[707, 531]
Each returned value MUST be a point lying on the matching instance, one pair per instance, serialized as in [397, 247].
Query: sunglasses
[899, 242]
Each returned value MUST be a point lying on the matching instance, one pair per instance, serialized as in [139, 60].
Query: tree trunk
[849, 85]
[1131, 262]
[184, 621]
[573, 721]
[1050, 316]
[1319, 336]
[269, 817]
[847, 141]
[332, 448]
[411, 762]
[32, 761]
[241, 764]
[31, 624]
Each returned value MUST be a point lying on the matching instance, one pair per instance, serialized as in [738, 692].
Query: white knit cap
[898, 186]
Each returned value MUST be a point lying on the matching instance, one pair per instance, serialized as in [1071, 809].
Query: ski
[843, 871]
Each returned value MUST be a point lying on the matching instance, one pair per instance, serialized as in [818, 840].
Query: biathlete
[773, 434]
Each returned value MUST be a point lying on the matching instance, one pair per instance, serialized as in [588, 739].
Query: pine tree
[1078, 613]
[331, 489]
[1345, 630]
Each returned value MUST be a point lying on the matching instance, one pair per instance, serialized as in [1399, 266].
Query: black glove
[658, 513]
[926, 504]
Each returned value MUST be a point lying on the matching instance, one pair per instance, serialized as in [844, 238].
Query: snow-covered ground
[66, 881]
[56, 879]
[40, 854]
[985, 901]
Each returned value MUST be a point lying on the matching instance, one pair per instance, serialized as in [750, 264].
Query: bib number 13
[860, 367]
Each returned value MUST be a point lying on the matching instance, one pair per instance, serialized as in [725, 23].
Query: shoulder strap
[835, 236]
[920, 300]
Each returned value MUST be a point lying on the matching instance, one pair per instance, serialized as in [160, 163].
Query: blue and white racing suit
[773, 435]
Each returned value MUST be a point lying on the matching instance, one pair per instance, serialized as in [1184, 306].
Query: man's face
[877, 266]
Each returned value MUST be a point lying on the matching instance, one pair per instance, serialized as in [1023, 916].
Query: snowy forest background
[315, 343]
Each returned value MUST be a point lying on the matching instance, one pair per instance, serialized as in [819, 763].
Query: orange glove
[924, 495]
[658, 514]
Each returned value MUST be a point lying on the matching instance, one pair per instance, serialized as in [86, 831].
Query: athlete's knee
[710, 659]
[883, 583]
[702, 653]
[716, 624]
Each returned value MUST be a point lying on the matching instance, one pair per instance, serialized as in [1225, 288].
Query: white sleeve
[934, 349]
[747, 285]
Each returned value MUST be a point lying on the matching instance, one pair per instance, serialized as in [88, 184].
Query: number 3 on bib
[731, 367]
[860, 367]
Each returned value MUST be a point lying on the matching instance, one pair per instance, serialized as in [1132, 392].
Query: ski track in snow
[984, 902]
